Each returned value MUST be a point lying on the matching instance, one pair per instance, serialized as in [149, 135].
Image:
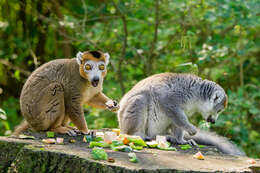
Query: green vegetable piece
[168, 149]
[50, 134]
[201, 146]
[185, 147]
[117, 143]
[133, 157]
[137, 141]
[93, 144]
[99, 154]
[134, 147]
[89, 138]
[98, 139]
[123, 148]
[152, 144]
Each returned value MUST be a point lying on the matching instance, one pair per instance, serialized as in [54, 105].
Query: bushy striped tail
[221, 143]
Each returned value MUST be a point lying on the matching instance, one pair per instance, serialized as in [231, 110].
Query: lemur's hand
[112, 105]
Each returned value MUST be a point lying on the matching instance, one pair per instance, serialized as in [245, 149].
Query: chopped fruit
[163, 144]
[198, 156]
[109, 137]
[111, 160]
[25, 137]
[161, 139]
[152, 144]
[251, 161]
[72, 140]
[59, 140]
[117, 131]
[84, 139]
[125, 140]
[110, 103]
[49, 141]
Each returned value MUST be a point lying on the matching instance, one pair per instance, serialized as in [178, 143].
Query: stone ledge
[18, 155]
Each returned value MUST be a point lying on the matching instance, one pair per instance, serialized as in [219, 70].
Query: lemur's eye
[88, 67]
[101, 67]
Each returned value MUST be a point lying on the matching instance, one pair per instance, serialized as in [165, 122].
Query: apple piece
[198, 156]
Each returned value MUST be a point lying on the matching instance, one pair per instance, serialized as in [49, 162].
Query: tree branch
[150, 61]
[12, 66]
[123, 54]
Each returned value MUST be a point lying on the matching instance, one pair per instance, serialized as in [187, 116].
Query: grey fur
[161, 104]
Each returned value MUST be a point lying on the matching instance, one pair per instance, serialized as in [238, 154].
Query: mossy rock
[17, 155]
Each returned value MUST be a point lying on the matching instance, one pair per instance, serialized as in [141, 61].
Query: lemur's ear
[107, 56]
[79, 57]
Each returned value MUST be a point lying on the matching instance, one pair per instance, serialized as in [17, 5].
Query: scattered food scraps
[135, 147]
[100, 134]
[185, 147]
[99, 154]
[72, 140]
[89, 138]
[25, 137]
[201, 146]
[251, 161]
[152, 144]
[110, 103]
[117, 131]
[109, 137]
[59, 140]
[49, 141]
[93, 144]
[198, 156]
[161, 139]
[125, 141]
[84, 139]
[137, 140]
[133, 157]
[50, 134]
[111, 160]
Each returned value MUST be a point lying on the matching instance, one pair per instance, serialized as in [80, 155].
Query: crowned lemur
[54, 93]
[161, 104]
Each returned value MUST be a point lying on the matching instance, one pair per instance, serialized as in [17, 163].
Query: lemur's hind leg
[133, 116]
[52, 110]
[177, 137]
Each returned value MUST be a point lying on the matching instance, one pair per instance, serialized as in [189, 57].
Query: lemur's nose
[211, 120]
[95, 81]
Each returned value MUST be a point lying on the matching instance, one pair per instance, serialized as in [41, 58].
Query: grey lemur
[55, 92]
[162, 103]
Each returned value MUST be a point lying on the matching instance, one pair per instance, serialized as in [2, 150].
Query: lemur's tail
[221, 143]
[20, 128]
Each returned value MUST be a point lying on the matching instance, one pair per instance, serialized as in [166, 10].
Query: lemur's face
[216, 105]
[93, 66]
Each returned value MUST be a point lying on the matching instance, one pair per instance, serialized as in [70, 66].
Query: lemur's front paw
[112, 105]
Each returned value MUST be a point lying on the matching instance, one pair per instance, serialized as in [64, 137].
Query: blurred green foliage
[216, 39]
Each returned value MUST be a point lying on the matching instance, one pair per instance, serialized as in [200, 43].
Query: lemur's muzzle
[211, 119]
[95, 81]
